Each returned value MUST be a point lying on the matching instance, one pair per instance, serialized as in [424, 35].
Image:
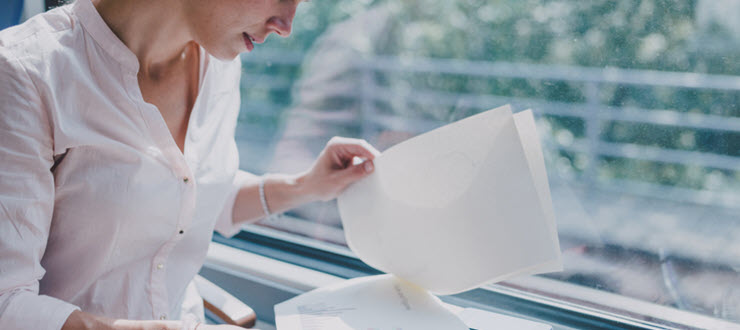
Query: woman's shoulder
[37, 34]
[40, 45]
[47, 49]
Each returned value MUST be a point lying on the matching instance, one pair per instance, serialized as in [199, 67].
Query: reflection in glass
[638, 107]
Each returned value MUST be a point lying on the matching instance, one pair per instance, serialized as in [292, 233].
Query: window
[637, 103]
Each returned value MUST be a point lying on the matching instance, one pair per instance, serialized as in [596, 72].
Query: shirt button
[163, 317]
[185, 179]
[160, 266]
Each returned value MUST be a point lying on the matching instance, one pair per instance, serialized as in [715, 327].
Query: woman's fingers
[356, 172]
[338, 166]
[348, 148]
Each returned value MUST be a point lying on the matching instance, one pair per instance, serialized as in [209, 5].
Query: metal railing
[593, 113]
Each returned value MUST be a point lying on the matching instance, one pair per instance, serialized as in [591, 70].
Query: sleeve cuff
[225, 224]
[27, 310]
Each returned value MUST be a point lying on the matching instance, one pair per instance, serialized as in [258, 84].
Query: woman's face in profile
[226, 28]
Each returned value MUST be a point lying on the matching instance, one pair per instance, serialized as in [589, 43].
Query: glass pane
[637, 103]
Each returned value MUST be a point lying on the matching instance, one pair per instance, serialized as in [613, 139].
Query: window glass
[637, 106]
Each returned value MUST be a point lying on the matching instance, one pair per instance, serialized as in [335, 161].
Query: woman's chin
[224, 54]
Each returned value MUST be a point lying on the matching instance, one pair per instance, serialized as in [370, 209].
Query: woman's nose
[282, 22]
[281, 26]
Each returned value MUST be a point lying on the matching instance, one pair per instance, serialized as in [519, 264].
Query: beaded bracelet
[263, 199]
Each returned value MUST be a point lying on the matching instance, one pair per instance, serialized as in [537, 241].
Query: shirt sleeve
[225, 224]
[26, 203]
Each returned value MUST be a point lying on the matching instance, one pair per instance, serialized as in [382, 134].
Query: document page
[458, 207]
[373, 302]
[483, 320]
[444, 212]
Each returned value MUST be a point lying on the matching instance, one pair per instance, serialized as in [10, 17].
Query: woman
[118, 160]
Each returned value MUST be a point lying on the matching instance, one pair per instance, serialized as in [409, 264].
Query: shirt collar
[94, 24]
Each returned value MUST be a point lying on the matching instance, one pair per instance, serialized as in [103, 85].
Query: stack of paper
[448, 211]
[386, 302]
[372, 302]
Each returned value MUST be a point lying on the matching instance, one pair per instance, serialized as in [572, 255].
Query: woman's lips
[247, 41]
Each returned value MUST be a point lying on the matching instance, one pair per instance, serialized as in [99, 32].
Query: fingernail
[368, 166]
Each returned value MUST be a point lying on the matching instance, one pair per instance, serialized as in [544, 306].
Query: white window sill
[242, 267]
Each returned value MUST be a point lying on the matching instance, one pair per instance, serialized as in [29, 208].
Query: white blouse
[99, 209]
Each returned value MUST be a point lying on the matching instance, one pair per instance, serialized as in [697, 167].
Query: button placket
[159, 295]
[180, 168]
[160, 300]
[187, 204]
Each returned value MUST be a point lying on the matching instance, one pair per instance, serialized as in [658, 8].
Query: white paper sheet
[457, 207]
[527, 129]
[447, 211]
[374, 302]
[483, 320]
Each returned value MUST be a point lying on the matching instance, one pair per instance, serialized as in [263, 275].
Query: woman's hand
[334, 170]
[336, 167]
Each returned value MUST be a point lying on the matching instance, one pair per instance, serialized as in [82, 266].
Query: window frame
[530, 297]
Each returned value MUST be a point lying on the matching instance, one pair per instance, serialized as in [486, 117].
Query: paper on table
[374, 302]
[457, 207]
[483, 320]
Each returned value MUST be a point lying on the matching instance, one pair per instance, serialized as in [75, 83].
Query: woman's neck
[155, 31]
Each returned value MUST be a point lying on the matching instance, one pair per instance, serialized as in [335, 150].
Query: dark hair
[51, 4]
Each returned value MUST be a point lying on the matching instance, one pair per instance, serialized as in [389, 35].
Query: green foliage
[661, 35]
